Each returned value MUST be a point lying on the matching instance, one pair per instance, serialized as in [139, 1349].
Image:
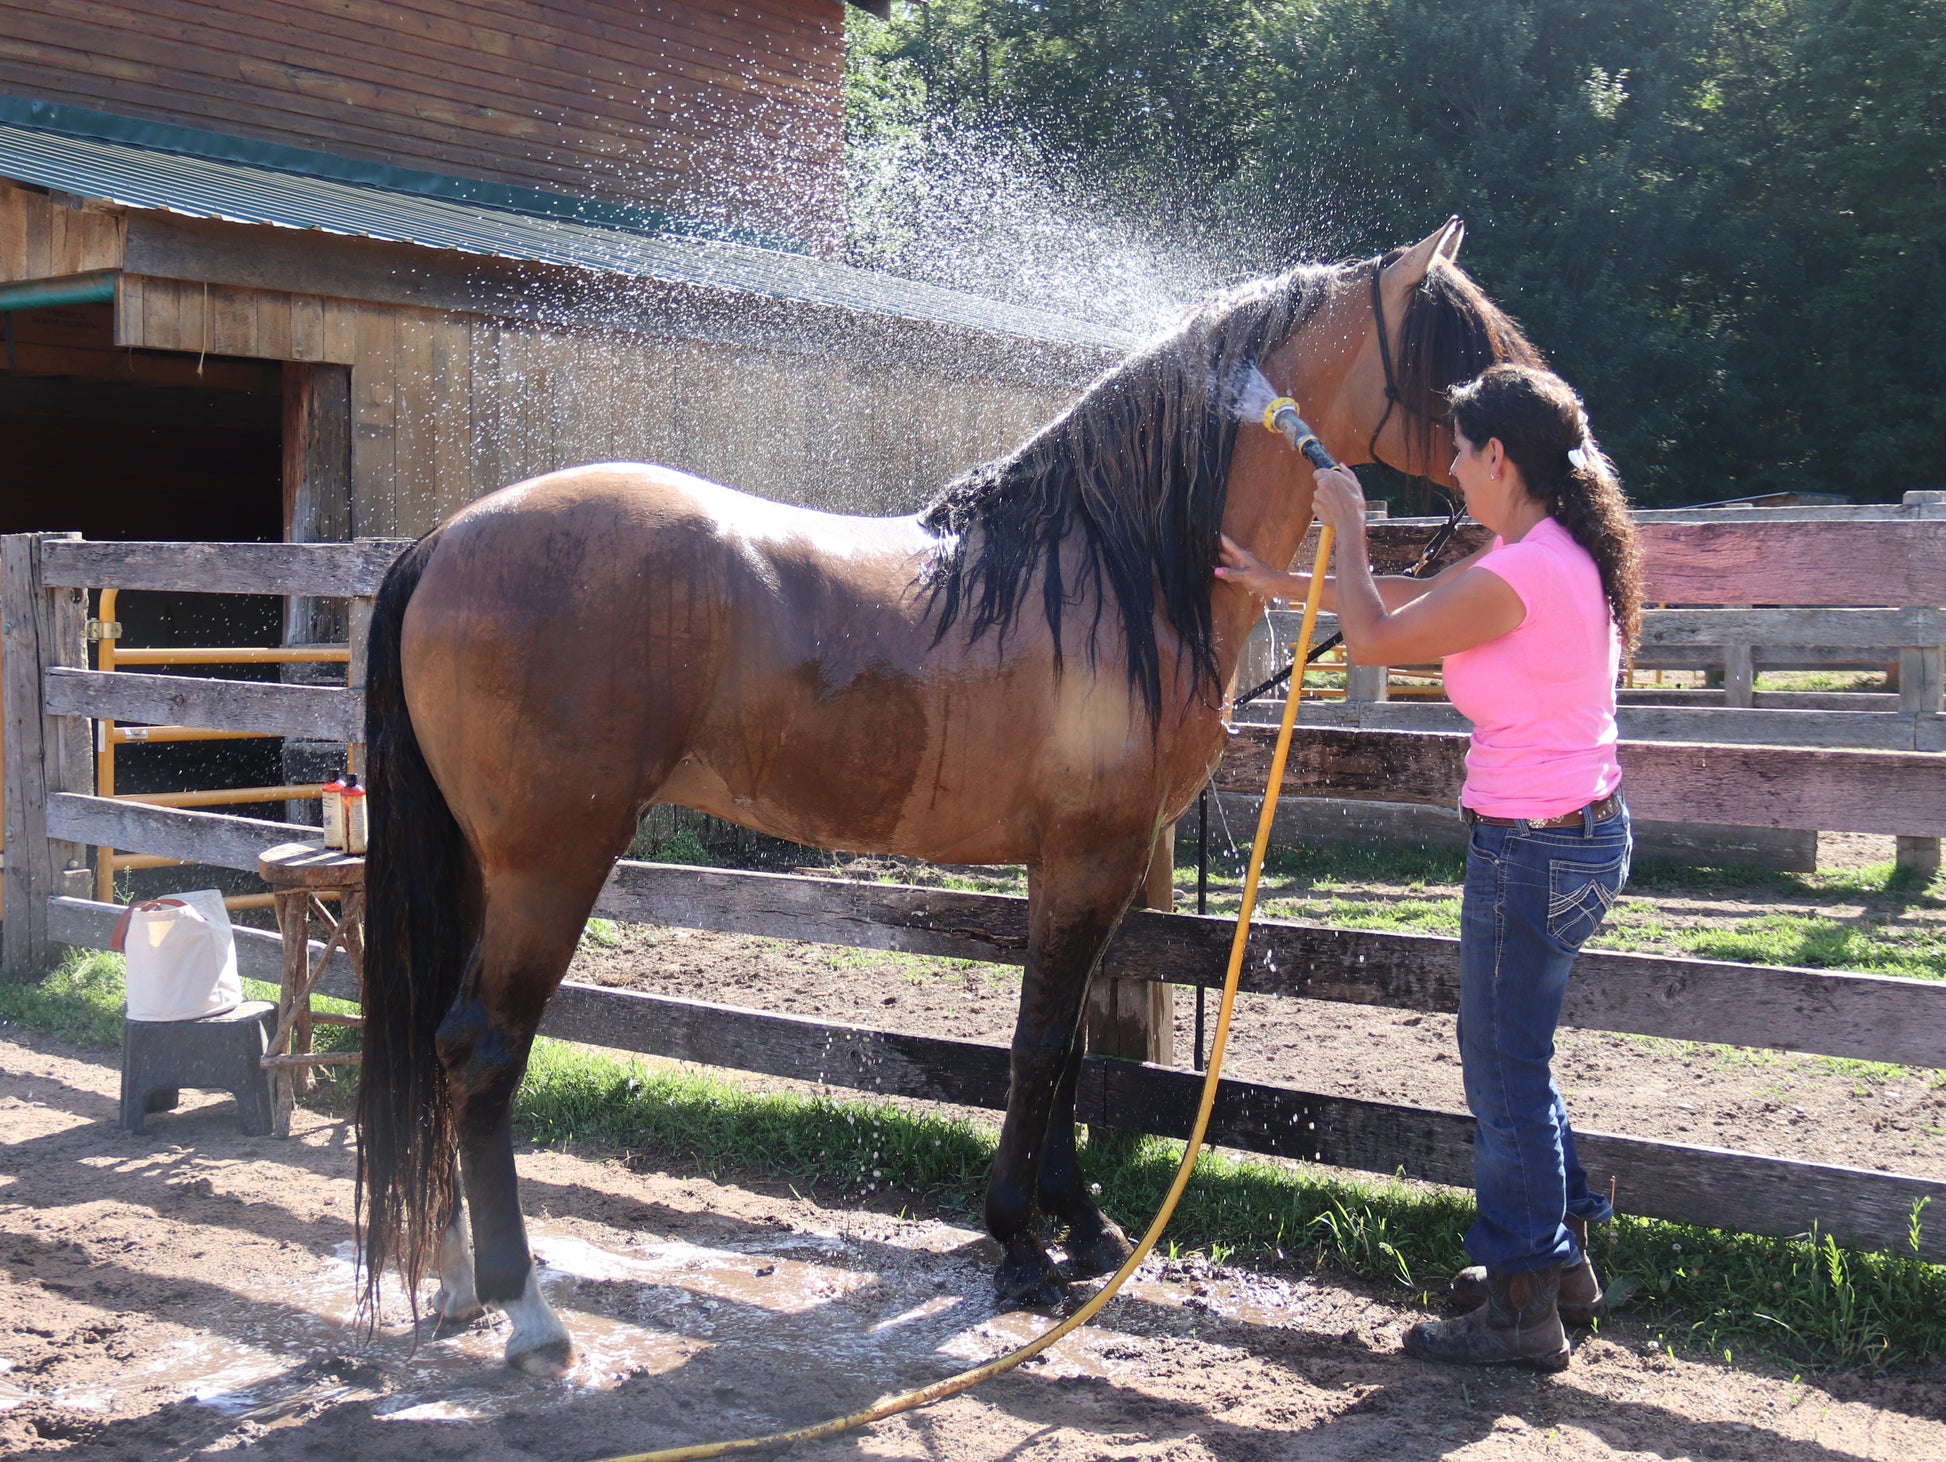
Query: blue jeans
[1533, 895]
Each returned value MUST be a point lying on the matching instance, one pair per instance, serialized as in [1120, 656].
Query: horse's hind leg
[457, 1305]
[533, 918]
[1074, 904]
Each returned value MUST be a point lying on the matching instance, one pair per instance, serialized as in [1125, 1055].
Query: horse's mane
[1451, 332]
[1140, 467]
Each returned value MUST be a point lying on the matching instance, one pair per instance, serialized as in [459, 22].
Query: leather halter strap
[1385, 359]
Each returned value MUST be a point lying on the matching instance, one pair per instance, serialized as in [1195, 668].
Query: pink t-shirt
[1542, 698]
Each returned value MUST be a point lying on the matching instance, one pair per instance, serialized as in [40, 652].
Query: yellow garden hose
[966, 1380]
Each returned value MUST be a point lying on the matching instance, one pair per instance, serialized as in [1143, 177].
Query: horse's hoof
[1100, 1253]
[1033, 1284]
[547, 1360]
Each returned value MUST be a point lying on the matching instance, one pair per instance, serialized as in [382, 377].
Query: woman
[1531, 630]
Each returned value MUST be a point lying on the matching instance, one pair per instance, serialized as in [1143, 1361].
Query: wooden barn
[281, 270]
[286, 270]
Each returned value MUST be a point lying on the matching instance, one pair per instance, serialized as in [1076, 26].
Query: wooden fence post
[317, 509]
[317, 480]
[1920, 675]
[360, 635]
[1367, 684]
[1136, 1019]
[45, 753]
[358, 632]
[1739, 675]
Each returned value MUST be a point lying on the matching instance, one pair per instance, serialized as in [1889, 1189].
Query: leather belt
[1602, 811]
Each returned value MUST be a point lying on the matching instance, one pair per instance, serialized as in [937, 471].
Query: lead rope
[966, 1380]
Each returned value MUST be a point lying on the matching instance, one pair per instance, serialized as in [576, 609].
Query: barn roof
[134, 175]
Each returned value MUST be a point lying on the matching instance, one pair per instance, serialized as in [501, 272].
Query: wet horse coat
[1030, 672]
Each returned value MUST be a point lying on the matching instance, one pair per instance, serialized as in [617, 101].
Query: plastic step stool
[212, 1053]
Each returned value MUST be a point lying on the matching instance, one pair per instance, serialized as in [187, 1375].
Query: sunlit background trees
[1724, 219]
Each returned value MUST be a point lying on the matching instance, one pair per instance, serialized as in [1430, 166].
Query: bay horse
[1031, 671]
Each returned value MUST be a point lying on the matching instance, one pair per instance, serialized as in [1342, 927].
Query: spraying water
[1256, 400]
[986, 211]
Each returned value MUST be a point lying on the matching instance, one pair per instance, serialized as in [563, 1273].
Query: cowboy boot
[1581, 1301]
[1517, 1326]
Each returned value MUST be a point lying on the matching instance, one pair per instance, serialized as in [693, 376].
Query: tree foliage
[1725, 220]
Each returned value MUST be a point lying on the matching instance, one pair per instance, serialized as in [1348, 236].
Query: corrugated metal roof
[141, 177]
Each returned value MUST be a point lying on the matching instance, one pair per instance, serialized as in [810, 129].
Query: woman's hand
[1340, 500]
[1238, 565]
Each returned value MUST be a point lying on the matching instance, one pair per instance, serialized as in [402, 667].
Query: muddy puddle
[871, 1315]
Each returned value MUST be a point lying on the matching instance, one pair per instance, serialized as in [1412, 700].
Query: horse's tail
[418, 937]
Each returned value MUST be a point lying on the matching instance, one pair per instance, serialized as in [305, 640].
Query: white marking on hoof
[457, 1304]
[539, 1345]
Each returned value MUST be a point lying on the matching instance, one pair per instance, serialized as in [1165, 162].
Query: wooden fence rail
[1824, 564]
[319, 570]
[1837, 1014]
[1863, 729]
[313, 712]
[1908, 718]
[1852, 1015]
[1675, 1181]
[1835, 790]
[1872, 632]
[1866, 1017]
[211, 839]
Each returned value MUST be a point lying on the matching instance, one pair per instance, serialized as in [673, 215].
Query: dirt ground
[189, 1292]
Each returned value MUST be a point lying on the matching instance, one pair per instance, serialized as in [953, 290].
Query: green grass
[81, 1002]
[1822, 943]
[1824, 680]
[1874, 919]
[600, 934]
[1804, 1300]
[83, 999]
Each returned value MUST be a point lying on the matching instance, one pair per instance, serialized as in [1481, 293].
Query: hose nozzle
[1281, 416]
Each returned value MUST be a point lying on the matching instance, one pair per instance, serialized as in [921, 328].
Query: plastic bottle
[356, 812]
[334, 812]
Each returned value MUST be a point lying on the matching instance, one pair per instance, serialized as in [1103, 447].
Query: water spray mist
[1257, 400]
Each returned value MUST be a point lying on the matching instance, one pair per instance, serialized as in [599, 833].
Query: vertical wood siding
[446, 407]
[711, 107]
[43, 238]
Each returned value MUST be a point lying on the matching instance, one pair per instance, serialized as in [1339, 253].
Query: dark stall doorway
[127, 444]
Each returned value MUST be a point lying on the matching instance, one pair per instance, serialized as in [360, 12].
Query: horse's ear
[1409, 268]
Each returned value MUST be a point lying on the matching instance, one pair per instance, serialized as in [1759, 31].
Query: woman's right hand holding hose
[1340, 501]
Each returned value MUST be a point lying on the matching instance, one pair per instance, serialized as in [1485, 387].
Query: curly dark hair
[1539, 421]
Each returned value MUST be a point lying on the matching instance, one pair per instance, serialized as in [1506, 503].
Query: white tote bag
[181, 957]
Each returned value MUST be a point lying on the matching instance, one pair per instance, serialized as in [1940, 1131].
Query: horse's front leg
[1095, 1242]
[1074, 903]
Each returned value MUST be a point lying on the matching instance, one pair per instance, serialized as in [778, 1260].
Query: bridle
[1384, 356]
[1455, 507]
